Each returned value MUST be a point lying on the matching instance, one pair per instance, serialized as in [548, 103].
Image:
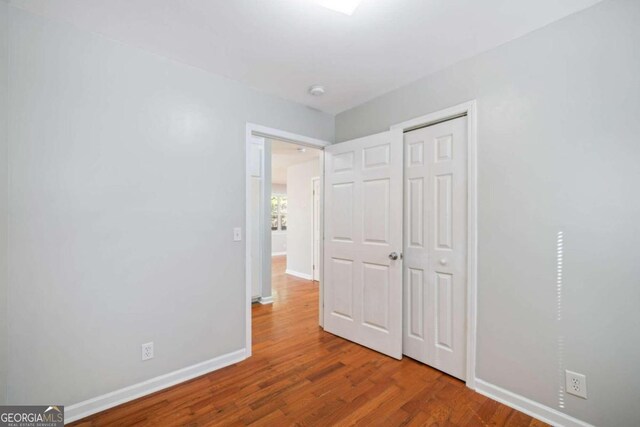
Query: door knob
[393, 256]
[443, 261]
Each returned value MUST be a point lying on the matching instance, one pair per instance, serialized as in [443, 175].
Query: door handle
[394, 256]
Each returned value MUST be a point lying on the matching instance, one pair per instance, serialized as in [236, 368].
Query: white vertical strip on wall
[559, 261]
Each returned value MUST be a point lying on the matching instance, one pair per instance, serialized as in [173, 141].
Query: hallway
[300, 375]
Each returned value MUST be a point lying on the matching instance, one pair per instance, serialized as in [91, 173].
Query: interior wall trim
[530, 407]
[100, 403]
[266, 300]
[298, 274]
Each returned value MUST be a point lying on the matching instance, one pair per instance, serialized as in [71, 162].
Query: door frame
[313, 227]
[397, 137]
[255, 130]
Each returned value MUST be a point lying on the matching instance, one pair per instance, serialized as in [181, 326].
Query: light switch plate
[237, 234]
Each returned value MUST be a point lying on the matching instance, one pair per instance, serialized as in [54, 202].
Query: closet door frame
[397, 137]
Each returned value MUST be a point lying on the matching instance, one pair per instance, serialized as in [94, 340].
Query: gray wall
[3, 198]
[278, 188]
[559, 149]
[126, 180]
[300, 216]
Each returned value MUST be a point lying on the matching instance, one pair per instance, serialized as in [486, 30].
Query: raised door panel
[375, 212]
[444, 211]
[444, 148]
[415, 212]
[415, 154]
[375, 157]
[342, 295]
[341, 212]
[415, 307]
[343, 162]
[444, 310]
[375, 289]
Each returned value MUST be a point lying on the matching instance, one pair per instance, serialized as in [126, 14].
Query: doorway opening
[284, 217]
[295, 169]
[294, 219]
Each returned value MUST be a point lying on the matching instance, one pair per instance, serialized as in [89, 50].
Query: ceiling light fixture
[316, 90]
[302, 150]
[343, 6]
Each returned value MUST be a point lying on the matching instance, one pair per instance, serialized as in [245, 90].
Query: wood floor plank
[300, 375]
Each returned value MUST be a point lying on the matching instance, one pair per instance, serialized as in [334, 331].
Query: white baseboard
[300, 275]
[537, 410]
[118, 397]
[266, 300]
[278, 253]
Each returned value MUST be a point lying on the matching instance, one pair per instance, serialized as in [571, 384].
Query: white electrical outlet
[576, 384]
[147, 351]
[237, 234]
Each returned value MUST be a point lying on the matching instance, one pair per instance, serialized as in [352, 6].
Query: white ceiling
[284, 46]
[283, 155]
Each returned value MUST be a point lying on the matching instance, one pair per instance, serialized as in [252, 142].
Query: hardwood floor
[300, 375]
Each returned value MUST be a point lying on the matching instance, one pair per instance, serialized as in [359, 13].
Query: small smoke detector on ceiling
[316, 90]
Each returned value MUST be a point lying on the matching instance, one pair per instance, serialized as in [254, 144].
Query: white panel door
[363, 229]
[435, 246]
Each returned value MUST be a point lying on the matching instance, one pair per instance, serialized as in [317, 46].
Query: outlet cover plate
[147, 351]
[576, 384]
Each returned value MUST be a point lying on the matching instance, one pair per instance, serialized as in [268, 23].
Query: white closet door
[435, 246]
[363, 233]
